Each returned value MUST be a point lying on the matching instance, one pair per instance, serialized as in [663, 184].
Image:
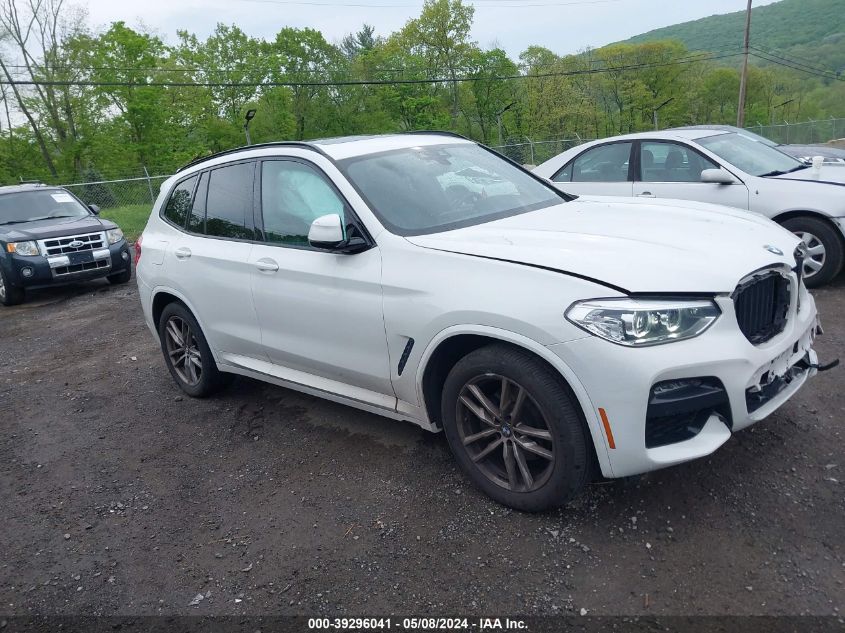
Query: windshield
[750, 156]
[434, 188]
[28, 206]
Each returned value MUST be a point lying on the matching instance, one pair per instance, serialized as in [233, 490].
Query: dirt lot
[120, 496]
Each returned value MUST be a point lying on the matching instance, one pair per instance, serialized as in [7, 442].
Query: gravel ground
[120, 496]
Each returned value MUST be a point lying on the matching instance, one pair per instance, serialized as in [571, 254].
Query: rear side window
[229, 202]
[196, 219]
[179, 204]
[606, 163]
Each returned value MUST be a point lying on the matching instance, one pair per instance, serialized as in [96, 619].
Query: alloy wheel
[2, 289]
[816, 254]
[183, 350]
[505, 433]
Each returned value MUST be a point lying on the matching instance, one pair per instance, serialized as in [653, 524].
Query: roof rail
[438, 132]
[202, 159]
[36, 183]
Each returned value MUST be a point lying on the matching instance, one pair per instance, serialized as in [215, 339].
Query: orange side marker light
[606, 423]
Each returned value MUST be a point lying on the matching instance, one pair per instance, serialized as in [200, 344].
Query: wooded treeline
[89, 112]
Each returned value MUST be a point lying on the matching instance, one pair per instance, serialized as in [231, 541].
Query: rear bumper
[39, 272]
[719, 381]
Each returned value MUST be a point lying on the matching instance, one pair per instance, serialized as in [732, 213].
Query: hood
[56, 227]
[635, 246]
[828, 174]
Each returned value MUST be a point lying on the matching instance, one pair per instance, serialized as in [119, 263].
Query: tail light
[138, 249]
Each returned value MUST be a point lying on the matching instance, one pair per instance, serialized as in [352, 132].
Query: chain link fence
[143, 190]
[115, 194]
[530, 152]
[802, 133]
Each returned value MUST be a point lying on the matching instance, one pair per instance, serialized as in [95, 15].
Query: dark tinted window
[196, 219]
[179, 203]
[293, 195]
[229, 202]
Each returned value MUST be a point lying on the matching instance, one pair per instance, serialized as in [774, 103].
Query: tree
[441, 36]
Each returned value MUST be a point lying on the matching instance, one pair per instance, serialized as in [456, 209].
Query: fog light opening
[27, 272]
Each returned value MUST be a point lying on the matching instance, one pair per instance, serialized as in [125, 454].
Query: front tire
[9, 295]
[187, 354]
[824, 246]
[515, 429]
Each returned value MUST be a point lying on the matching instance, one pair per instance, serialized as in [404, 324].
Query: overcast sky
[564, 26]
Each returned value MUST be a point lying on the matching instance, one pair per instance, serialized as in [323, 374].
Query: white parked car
[546, 335]
[719, 167]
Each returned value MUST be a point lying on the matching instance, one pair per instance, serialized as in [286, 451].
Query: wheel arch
[162, 297]
[782, 217]
[452, 344]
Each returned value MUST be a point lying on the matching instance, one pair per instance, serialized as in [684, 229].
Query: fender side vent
[405, 354]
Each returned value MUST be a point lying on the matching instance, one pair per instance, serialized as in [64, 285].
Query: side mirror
[94, 209]
[717, 177]
[326, 232]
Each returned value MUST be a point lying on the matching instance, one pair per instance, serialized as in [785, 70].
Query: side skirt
[363, 399]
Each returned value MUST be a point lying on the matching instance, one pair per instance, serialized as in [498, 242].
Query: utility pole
[499, 118]
[743, 80]
[654, 112]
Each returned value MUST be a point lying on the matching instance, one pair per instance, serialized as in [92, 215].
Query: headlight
[114, 236]
[28, 249]
[642, 322]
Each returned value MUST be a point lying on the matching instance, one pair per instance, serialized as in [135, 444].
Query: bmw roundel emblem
[773, 249]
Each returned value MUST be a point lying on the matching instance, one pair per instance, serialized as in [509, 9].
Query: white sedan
[720, 167]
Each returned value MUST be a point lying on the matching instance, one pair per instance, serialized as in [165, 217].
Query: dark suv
[49, 237]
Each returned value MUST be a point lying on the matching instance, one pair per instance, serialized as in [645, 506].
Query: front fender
[532, 346]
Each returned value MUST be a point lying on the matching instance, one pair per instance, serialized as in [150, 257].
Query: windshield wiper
[778, 172]
[46, 217]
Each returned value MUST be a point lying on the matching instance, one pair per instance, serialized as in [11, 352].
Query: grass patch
[131, 218]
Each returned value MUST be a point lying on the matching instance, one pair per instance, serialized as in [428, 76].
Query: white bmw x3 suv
[546, 335]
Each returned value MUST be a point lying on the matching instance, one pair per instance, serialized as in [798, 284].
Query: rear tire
[120, 278]
[541, 451]
[9, 295]
[825, 245]
[187, 354]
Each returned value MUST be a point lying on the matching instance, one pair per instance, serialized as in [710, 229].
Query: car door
[209, 257]
[603, 170]
[669, 169]
[320, 312]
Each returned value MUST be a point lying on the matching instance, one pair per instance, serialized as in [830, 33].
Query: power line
[796, 65]
[780, 61]
[344, 83]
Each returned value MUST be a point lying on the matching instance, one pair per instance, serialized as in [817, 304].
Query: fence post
[150, 185]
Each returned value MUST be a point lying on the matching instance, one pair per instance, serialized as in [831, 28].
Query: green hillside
[813, 30]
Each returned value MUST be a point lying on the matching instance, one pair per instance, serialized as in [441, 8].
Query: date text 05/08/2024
[416, 624]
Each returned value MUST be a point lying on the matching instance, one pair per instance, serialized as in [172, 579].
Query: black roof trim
[245, 148]
[438, 133]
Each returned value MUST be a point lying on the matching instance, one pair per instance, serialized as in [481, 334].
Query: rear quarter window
[179, 203]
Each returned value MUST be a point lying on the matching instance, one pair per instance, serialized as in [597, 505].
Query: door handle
[645, 194]
[182, 253]
[266, 265]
